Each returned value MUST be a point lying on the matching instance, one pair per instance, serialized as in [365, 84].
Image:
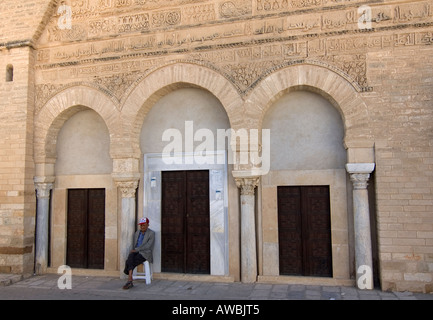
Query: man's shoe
[128, 285]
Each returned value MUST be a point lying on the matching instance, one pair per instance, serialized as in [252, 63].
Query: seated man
[144, 240]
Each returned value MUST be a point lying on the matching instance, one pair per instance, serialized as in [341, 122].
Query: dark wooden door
[76, 253]
[197, 222]
[185, 225]
[290, 231]
[96, 229]
[173, 240]
[86, 228]
[304, 231]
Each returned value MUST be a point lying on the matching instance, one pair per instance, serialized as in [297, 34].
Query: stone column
[359, 175]
[127, 220]
[42, 220]
[248, 229]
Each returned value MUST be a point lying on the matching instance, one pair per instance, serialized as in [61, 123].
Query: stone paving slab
[45, 287]
[8, 279]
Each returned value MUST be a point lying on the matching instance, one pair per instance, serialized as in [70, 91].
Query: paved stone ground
[45, 287]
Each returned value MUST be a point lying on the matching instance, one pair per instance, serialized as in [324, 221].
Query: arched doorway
[184, 169]
[83, 170]
[304, 198]
[73, 125]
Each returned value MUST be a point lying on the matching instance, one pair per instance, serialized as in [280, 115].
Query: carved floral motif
[117, 84]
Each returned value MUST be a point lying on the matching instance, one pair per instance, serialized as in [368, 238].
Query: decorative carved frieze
[91, 19]
[166, 18]
[235, 8]
[133, 22]
[232, 37]
[118, 83]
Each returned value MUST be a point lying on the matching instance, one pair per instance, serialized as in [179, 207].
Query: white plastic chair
[145, 275]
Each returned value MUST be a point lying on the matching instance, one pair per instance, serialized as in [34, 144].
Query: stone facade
[120, 61]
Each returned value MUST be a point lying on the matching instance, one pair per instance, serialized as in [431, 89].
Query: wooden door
[173, 240]
[86, 228]
[77, 229]
[96, 229]
[185, 225]
[304, 229]
[197, 222]
[290, 231]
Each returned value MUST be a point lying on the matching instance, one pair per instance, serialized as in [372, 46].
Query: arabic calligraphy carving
[113, 42]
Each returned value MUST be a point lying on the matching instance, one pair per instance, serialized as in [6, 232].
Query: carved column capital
[359, 174]
[247, 185]
[359, 180]
[127, 188]
[43, 186]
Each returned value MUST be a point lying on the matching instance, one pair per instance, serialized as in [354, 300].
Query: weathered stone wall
[401, 112]
[17, 195]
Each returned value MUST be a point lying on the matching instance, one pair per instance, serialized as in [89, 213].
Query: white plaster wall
[306, 133]
[172, 110]
[83, 146]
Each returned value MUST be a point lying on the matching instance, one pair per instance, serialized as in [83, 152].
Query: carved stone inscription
[96, 18]
[232, 36]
